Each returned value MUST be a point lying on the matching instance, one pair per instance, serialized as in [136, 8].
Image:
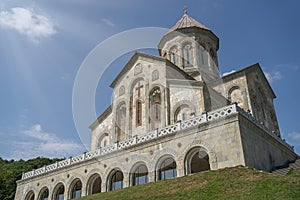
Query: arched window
[183, 112]
[103, 140]
[140, 175]
[187, 54]
[44, 195]
[235, 95]
[184, 116]
[116, 181]
[167, 169]
[197, 160]
[155, 107]
[59, 192]
[138, 69]
[120, 122]
[30, 195]
[155, 75]
[94, 184]
[121, 90]
[138, 113]
[174, 55]
[202, 54]
[76, 190]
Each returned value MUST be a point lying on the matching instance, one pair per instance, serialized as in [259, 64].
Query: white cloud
[108, 22]
[40, 143]
[293, 138]
[227, 73]
[28, 23]
[273, 76]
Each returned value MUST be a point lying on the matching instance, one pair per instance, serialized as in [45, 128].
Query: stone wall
[261, 150]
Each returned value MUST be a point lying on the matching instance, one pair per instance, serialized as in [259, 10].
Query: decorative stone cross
[185, 9]
[139, 89]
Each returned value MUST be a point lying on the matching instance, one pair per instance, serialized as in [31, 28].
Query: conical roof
[186, 21]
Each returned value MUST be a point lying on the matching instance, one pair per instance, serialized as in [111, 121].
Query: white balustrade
[168, 130]
[51, 167]
[222, 112]
[64, 163]
[138, 139]
[92, 154]
[109, 149]
[193, 121]
[77, 159]
[146, 137]
[40, 171]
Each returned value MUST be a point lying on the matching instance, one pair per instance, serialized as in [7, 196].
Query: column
[146, 117]
[151, 176]
[127, 129]
[125, 180]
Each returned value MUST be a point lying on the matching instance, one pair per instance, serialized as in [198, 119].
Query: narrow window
[157, 111]
[138, 113]
[187, 50]
[174, 55]
[183, 116]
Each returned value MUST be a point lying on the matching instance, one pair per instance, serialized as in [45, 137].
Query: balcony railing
[150, 136]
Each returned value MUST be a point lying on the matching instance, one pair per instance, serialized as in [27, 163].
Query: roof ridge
[187, 21]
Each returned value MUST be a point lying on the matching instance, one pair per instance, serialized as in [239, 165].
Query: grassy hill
[229, 183]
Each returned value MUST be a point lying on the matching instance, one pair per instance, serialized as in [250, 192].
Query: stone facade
[171, 115]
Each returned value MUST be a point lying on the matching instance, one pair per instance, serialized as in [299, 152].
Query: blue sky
[43, 43]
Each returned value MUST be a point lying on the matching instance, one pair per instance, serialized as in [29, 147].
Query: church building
[171, 115]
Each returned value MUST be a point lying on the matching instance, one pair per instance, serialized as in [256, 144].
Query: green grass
[229, 183]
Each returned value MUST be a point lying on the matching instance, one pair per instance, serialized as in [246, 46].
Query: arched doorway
[58, 192]
[76, 189]
[94, 184]
[44, 194]
[197, 160]
[166, 169]
[30, 195]
[139, 175]
[116, 180]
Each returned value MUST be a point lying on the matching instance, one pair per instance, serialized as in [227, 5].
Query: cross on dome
[185, 9]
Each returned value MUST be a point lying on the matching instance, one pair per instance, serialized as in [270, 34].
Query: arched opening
[167, 169]
[76, 189]
[103, 140]
[116, 180]
[94, 184]
[197, 160]
[203, 61]
[155, 75]
[30, 195]
[235, 95]
[174, 52]
[183, 112]
[155, 107]
[138, 112]
[58, 192]
[44, 194]
[187, 48]
[120, 121]
[136, 105]
[139, 175]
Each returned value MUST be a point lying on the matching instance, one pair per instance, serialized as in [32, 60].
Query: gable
[131, 63]
[248, 73]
